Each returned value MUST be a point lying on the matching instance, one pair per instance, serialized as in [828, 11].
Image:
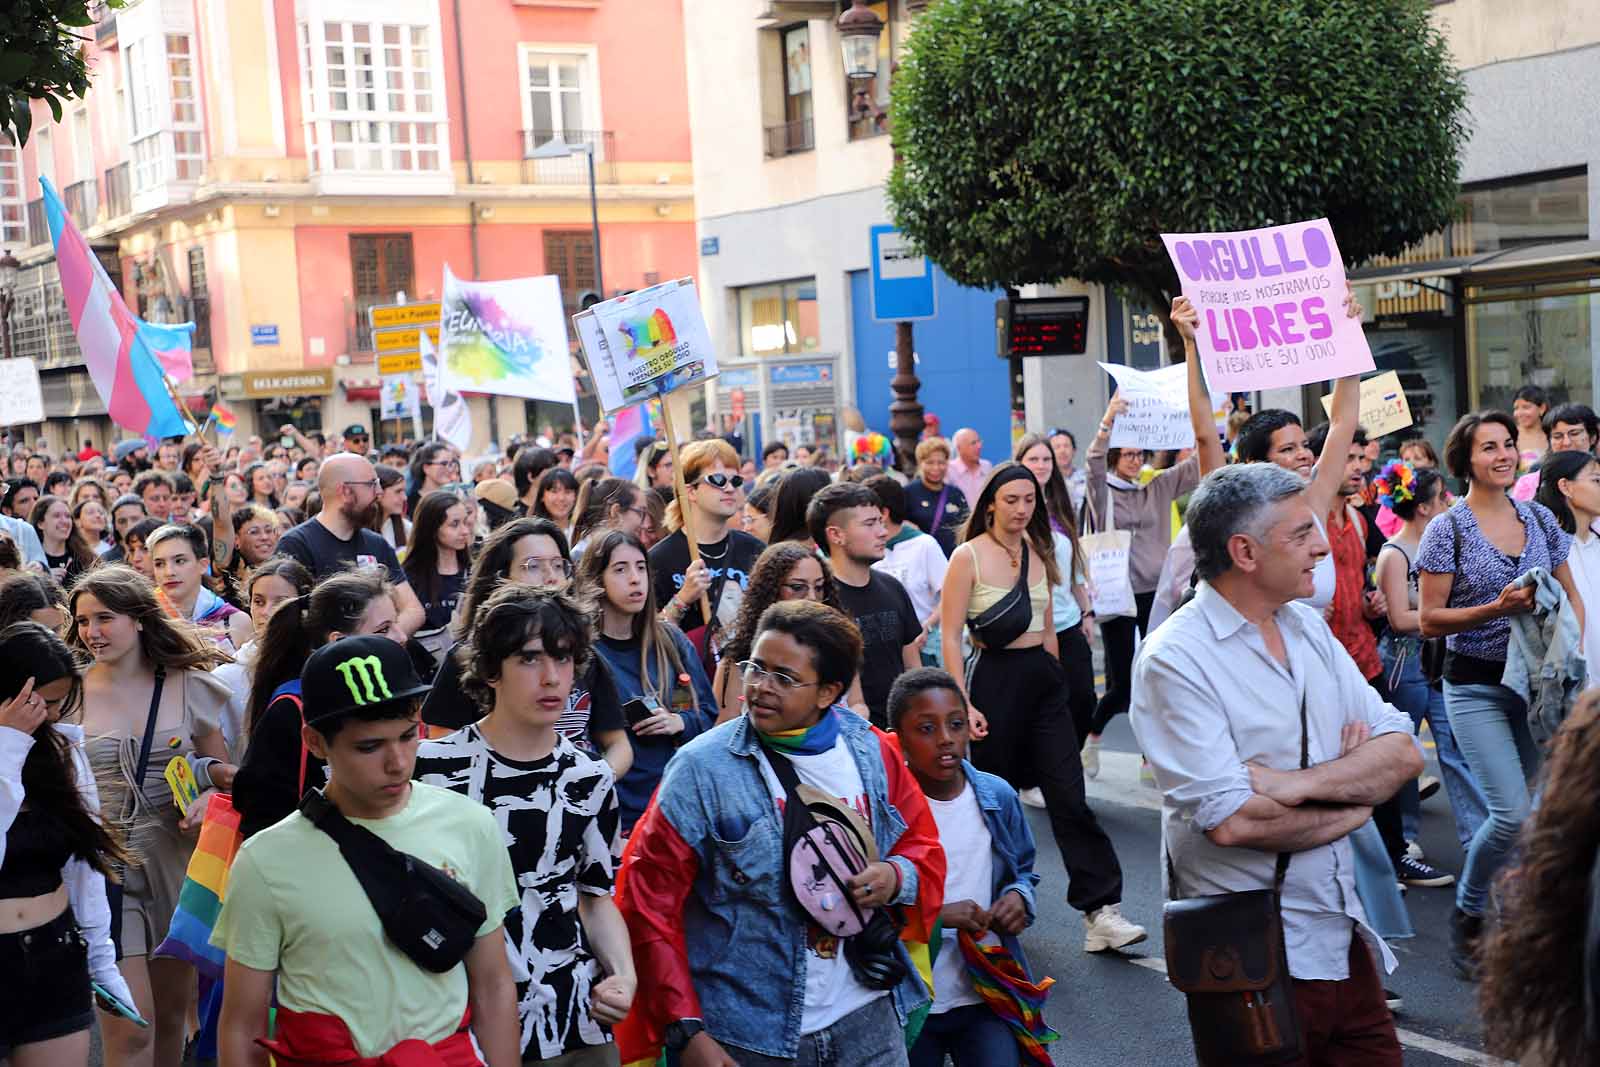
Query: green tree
[1045, 140]
[41, 58]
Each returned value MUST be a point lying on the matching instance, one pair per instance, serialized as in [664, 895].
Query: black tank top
[36, 850]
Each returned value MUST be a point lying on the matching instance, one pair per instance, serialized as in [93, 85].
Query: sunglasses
[721, 481]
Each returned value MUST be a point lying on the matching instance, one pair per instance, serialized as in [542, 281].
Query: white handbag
[1107, 552]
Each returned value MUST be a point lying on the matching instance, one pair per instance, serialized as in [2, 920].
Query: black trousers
[1077, 659]
[1031, 741]
[1118, 635]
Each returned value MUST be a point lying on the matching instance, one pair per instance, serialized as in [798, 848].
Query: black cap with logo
[354, 675]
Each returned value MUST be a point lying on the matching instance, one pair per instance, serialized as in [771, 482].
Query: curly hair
[513, 615]
[1532, 994]
[772, 569]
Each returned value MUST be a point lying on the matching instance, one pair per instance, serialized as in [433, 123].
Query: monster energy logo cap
[356, 674]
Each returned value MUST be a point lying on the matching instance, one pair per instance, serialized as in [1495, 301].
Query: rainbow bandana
[1000, 980]
[807, 740]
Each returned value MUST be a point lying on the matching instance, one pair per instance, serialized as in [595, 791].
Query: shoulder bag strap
[1305, 761]
[938, 505]
[797, 822]
[114, 886]
[305, 753]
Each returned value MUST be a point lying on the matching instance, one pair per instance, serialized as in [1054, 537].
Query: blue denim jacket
[1011, 841]
[744, 937]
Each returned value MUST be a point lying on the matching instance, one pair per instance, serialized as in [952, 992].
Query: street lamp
[9, 266]
[859, 28]
[558, 148]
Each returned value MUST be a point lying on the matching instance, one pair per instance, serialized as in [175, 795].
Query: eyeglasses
[721, 481]
[642, 512]
[444, 463]
[755, 674]
[551, 567]
[369, 484]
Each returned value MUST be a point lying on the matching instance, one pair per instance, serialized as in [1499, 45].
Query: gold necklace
[1014, 557]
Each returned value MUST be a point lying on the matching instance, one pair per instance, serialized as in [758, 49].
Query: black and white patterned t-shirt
[560, 821]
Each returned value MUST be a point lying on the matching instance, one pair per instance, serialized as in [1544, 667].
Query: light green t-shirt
[293, 906]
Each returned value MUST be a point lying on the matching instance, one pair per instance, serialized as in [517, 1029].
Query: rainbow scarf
[204, 886]
[807, 740]
[1000, 980]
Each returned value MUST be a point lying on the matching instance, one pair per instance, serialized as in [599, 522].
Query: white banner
[21, 401]
[452, 419]
[399, 397]
[1158, 407]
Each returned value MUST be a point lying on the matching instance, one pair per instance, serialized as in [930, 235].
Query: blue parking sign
[902, 279]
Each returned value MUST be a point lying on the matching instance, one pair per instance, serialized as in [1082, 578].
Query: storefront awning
[1556, 254]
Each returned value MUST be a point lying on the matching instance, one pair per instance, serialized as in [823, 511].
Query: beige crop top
[986, 596]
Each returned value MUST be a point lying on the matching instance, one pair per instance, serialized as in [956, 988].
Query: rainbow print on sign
[507, 338]
[648, 336]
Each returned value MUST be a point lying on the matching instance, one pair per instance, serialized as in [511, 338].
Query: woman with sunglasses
[532, 552]
[56, 858]
[785, 571]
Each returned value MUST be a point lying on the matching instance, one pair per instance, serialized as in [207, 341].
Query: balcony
[119, 193]
[787, 138]
[83, 202]
[573, 170]
[38, 228]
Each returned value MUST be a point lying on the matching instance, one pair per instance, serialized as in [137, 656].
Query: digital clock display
[1046, 326]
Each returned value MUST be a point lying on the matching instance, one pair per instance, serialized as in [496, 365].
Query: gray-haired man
[1217, 693]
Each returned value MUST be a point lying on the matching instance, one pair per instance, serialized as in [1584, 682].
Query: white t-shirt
[969, 875]
[1584, 561]
[918, 563]
[832, 991]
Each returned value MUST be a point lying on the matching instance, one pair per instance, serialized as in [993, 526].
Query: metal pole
[905, 411]
[5, 322]
[594, 222]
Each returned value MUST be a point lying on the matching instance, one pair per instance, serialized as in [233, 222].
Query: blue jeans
[868, 1037]
[1411, 693]
[973, 1035]
[1376, 886]
[1491, 726]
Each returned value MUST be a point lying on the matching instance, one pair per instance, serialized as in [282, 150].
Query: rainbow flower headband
[1396, 483]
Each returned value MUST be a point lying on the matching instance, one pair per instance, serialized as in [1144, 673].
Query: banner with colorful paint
[507, 338]
[1271, 304]
[646, 343]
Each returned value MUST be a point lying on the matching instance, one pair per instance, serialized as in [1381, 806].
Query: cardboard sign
[1384, 408]
[21, 400]
[399, 396]
[1158, 407]
[1271, 304]
[507, 337]
[646, 344]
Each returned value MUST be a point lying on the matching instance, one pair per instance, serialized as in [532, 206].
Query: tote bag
[1107, 551]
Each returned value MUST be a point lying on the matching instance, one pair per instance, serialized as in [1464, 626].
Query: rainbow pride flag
[125, 356]
[204, 886]
[1006, 988]
[227, 421]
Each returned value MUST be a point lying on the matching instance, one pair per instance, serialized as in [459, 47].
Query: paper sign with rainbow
[647, 336]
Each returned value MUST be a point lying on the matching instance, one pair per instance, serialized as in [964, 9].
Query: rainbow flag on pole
[227, 421]
[204, 886]
[126, 356]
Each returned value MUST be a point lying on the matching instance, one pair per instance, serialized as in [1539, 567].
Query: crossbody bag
[1226, 953]
[114, 886]
[1008, 618]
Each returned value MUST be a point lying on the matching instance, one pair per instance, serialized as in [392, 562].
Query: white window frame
[588, 84]
[13, 197]
[382, 133]
[44, 156]
[153, 125]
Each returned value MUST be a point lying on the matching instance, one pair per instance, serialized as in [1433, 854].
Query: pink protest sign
[1271, 304]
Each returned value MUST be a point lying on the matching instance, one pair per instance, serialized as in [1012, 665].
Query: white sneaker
[1105, 928]
[1032, 797]
[1091, 758]
[1414, 851]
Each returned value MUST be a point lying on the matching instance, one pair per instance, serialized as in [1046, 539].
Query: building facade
[273, 169]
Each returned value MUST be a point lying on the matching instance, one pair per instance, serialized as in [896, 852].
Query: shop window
[199, 298]
[1540, 334]
[1527, 211]
[372, 96]
[381, 267]
[778, 319]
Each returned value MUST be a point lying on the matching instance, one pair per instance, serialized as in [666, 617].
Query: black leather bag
[1226, 954]
[1009, 618]
[428, 915]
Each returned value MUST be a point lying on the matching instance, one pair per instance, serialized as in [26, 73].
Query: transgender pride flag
[125, 355]
[627, 426]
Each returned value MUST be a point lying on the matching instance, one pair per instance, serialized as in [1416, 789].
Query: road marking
[1409, 1038]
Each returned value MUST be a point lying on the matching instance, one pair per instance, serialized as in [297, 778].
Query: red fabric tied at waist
[311, 1039]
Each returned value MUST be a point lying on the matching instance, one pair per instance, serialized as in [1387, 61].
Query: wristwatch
[680, 1033]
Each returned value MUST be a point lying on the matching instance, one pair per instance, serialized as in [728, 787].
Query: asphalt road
[1119, 1010]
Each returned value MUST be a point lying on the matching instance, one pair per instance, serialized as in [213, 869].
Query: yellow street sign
[392, 315]
[401, 340]
[400, 363]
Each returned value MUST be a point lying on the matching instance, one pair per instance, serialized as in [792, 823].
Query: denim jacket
[1544, 656]
[715, 935]
[1011, 841]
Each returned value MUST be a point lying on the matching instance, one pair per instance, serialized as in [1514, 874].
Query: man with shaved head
[338, 538]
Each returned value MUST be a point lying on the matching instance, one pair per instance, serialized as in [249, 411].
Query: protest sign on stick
[21, 398]
[1158, 407]
[1384, 408]
[1271, 304]
[645, 345]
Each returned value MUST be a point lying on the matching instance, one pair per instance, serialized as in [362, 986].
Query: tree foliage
[41, 58]
[1045, 140]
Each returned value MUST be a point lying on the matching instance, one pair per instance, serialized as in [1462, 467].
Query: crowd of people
[545, 765]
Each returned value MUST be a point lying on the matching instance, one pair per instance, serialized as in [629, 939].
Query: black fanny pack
[427, 914]
[1010, 617]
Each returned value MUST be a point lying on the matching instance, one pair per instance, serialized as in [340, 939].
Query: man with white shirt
[1223, 695]
[911, 556]
[968, 469]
